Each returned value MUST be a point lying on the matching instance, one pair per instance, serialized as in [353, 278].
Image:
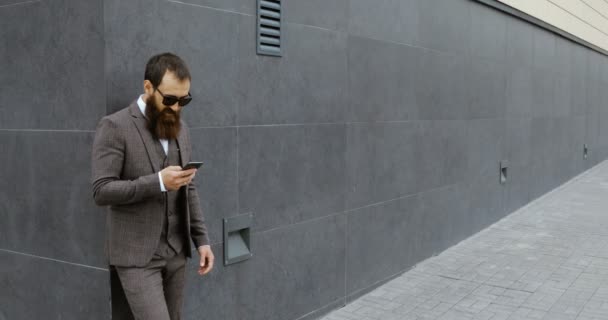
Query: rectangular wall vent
[237, 238]
[504, 167]
[585, 151]
[269, 27]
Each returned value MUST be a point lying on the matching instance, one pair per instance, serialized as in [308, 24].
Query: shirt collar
[142, 105]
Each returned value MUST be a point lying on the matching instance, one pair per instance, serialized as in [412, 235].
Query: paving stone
[546, 261]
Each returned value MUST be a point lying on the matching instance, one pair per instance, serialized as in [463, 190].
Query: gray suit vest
[172, 239]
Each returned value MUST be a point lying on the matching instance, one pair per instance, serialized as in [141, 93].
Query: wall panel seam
[594, 9]
[19, 3]
[498, 5]
[208, 7]
[577, 17]
[54, 260]
[46, 130]
[348, 211]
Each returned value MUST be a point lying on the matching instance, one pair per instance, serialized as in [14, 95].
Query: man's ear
[148, 87]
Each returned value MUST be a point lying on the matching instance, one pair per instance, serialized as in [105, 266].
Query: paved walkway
[548, 260]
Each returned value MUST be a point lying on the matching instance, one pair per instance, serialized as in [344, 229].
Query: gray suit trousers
[155, 291]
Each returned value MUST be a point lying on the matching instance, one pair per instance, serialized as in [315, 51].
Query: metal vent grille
[269, 27]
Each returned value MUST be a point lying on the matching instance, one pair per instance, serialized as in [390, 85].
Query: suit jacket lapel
[145, 134]
[181, 145]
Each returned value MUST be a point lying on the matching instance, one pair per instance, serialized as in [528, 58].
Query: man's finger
[205, 270]
[188, 172]
[206, 264]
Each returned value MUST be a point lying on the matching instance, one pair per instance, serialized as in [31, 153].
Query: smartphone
[192, 165]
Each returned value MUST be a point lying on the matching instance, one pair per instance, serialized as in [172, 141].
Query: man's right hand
[174, 177]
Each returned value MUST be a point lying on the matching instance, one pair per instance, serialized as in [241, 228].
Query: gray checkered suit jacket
[125, 178]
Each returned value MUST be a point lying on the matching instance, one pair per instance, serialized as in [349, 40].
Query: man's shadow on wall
[120, 306]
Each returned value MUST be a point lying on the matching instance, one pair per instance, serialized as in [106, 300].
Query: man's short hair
[159, 64]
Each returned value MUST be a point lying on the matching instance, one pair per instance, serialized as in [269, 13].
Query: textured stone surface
[544, 261]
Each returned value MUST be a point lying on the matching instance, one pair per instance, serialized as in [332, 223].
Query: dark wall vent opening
[269, 27]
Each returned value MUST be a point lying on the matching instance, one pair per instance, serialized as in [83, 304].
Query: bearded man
[154, 210]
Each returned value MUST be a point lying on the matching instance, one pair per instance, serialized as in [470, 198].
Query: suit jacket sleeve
[198, 229]
[107, 161]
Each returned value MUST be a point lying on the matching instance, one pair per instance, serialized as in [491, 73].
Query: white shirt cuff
[162, 185]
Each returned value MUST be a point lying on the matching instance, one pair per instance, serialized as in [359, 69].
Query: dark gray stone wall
[372, 144]
[52, 93]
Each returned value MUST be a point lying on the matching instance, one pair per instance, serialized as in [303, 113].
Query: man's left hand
[207, 258]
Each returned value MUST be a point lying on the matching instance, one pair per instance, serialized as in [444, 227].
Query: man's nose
[175, 107]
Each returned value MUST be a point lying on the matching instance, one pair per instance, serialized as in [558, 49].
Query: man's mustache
[168, 115]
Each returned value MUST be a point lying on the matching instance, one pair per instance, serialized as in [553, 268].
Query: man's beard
[163, 124]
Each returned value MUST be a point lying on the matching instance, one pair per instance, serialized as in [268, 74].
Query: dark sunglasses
[171, 100]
